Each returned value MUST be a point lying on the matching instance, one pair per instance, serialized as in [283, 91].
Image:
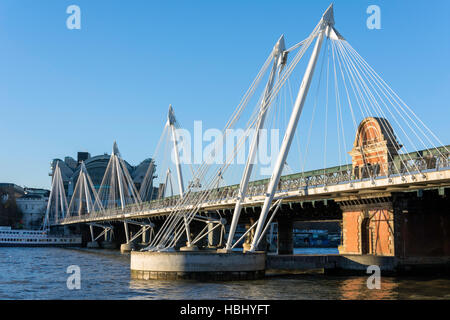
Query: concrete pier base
[197, 265]
[109, 245]
[127, 247]
[187, 248]
[92, 245]
[246, 246]
[142, 245]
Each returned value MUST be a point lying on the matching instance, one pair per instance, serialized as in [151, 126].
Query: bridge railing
[347, 174]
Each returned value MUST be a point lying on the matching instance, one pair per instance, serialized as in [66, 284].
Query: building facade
[33, 205]
[27, 204]
[411, 226]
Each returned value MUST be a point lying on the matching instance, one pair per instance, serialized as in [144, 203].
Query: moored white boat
[35, 238]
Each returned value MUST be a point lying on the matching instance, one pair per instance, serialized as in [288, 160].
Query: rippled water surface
[40, 273]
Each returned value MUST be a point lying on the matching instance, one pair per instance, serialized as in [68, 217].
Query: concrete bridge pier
[145, 236]
[285, 243]
[93, 244]
[249, 237]
[128, 245]
[195, 228]
[108, 243]
[107, 234]
[197, 265]
[262, 246]
[136, 235]
[213, 236]
[145, 239]
[409, 230]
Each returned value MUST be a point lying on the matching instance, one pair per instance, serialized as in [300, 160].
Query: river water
[41, 273]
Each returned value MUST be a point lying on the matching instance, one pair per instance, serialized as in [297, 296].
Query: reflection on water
[356, 289]
[40, 273]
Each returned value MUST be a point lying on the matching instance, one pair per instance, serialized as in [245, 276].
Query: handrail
[398, 167]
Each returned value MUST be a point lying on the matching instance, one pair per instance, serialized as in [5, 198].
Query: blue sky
[63, 91]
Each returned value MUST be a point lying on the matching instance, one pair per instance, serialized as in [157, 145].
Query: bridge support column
[409, 230]
[285, 241]
[262, 246]
[108, 243]
[127, 233]
[145, 236]
[249, 237]
[127, 247]
[93, 244]
[91, 229]
[195, 228]
[368, 225]
[214, 236]
[211, 238]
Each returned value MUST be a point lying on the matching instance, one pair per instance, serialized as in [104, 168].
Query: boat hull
[67, 245]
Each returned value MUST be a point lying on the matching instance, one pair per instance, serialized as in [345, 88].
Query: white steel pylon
[166, 183]
[84, 198]
[324, 27]
[171, 121]
[359, 86]
[279, 61]
[146, 189]
[117, 189]
[57, 201]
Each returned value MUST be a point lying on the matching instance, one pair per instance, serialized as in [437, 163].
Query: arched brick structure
[374, 147]
[368, 227]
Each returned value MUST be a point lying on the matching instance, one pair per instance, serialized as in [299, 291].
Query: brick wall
[379, 238]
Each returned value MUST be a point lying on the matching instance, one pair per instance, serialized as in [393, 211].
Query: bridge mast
[57, 197]
[325, 24]
[167, 181]
[115, 155]
[171, 122]
[83, 173]
[277, 54]
[46, 224]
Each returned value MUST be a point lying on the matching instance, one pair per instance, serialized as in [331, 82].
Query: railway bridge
[389, 191]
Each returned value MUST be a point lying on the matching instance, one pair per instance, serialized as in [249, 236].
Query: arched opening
[356, 172]
[365, 236]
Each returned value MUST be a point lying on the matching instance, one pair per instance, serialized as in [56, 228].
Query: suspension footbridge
[362, 143]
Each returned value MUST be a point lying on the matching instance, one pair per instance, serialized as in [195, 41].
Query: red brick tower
[374, 147]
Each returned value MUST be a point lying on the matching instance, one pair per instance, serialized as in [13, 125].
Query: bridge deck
[293, 190]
